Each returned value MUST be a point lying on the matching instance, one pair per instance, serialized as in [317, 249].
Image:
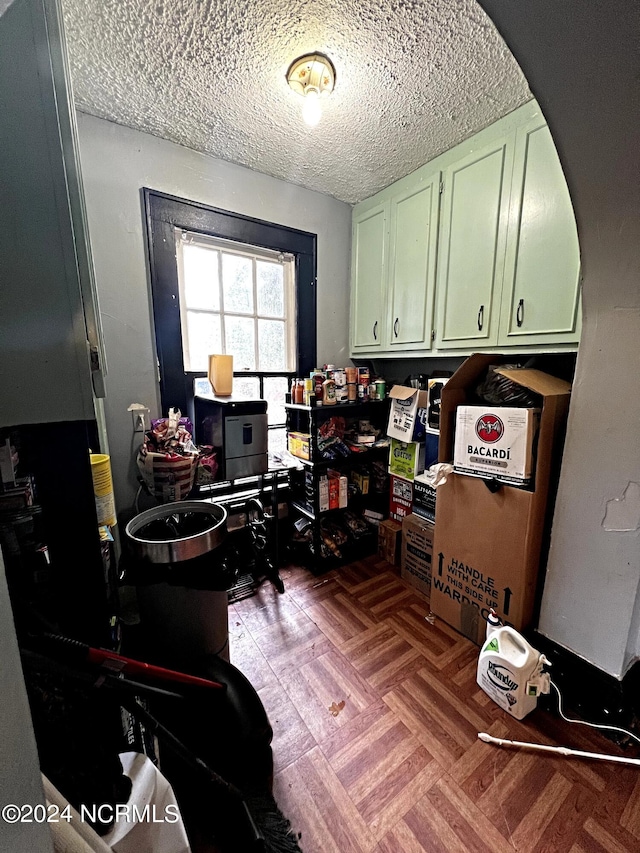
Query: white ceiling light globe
[311, 111]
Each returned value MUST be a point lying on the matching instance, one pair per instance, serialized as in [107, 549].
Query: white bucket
[509, 671]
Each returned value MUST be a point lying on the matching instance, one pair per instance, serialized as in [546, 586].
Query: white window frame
[253, 253]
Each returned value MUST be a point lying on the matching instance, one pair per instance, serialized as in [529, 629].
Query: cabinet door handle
[375, 331]
[481, 318]
[395, 327]
[520, 313]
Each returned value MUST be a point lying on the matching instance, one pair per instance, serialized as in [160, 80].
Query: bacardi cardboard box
[407, 413]
[417, 550]
[495, 442]
[400, 497]
[488, 544]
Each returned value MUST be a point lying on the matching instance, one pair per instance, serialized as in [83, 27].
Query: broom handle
[130, 665]
[135, 708]
[156, 727]
[559, 750]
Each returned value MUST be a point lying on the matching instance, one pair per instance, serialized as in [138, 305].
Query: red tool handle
[119, 663]
[137, 667]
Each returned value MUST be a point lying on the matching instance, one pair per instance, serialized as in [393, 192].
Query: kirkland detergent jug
[510, 671]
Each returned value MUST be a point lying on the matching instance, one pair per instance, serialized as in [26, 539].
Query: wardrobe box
[490, 537]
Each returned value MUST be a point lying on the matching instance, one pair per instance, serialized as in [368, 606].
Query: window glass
[237, 284]
[202, 388]
[247, 387]
[203, 339]
[271, 344]
[270, 287]
[239, 301]
[201, 288]
[240, 341]
[275, 387]
[277, 440]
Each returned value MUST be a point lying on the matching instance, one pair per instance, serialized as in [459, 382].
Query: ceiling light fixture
[312, 76]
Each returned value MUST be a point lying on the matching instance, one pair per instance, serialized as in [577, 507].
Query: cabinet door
[541, 286]
[475, 206]
[369, 277]
[412, 265]
[48, 320]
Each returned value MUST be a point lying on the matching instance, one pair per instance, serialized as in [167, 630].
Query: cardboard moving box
[407, 413]
[417, 550]
[406, 458]
[424, 497]
[495, 441]
[434, 401]
[400, 497]
[488, 544]
[389, 538]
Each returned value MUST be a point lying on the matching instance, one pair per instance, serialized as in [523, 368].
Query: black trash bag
[79, 735]
[499, 390]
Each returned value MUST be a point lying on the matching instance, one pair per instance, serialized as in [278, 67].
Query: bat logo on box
[489, 428]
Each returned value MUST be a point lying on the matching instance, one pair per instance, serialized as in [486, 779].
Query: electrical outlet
[138, 422]
[140, 417]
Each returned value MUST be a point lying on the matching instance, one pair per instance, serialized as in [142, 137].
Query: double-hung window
[225, 283]
[239, 300]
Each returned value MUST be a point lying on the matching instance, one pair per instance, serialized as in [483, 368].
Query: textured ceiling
[413, 78]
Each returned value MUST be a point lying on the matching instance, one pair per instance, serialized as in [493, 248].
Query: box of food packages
[400, 497]
[417, 551]
[299, 444]
[406, 458]
[407, 413]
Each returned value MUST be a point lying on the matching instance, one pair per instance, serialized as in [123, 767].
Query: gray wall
[116, 163]
[20, 781]
[581, 62]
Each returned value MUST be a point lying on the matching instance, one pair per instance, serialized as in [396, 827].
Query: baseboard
[589, 693]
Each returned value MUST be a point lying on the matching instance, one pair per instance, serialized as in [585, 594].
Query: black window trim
[164, 214]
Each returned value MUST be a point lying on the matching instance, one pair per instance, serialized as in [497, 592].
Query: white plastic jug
[510, 671]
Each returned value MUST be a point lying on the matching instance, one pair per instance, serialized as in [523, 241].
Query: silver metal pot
[158, 535]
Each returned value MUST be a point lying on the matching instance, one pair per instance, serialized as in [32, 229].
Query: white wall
[580, 59]
[116, 163]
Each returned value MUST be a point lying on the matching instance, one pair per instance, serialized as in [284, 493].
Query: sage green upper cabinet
[541, 293]
[471, 249]
[412, 265]
[394, 267]
[486, 233]
[368, 277]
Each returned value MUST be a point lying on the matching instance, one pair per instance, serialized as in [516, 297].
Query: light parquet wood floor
[376, 713]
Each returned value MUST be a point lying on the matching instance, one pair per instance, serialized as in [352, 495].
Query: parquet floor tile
[319, 807]
[376, 714]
